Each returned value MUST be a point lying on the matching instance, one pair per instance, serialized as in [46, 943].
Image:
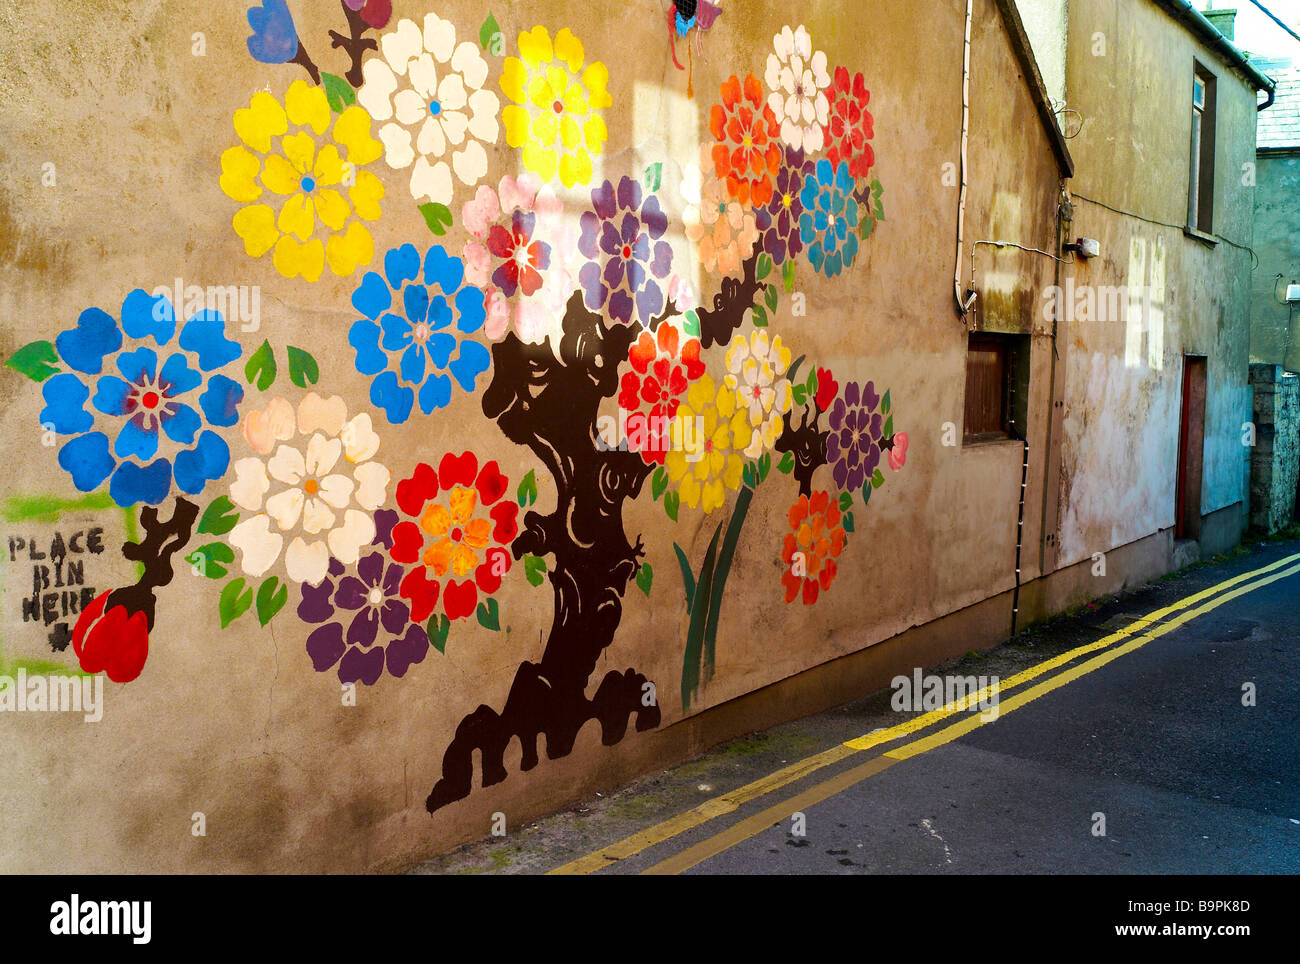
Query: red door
[1191, 449]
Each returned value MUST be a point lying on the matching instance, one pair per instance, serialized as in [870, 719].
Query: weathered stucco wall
[115, 132]
[1277, 242]
[1131, 69]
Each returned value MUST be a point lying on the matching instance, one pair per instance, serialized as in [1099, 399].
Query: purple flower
[275, 38]
[853, 445]
[620, 239]
[778, 220]
[353, 606]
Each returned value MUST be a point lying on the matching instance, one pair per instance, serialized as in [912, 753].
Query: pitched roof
[1279, 126]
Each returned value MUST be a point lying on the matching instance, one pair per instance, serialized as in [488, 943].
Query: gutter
[1207, 33]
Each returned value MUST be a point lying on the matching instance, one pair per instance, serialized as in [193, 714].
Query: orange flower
[811, 547]
[747, 153]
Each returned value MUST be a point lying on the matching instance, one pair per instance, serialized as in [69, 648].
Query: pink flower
[898, 454]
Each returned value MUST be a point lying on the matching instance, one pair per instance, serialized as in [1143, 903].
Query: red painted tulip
[111, 639]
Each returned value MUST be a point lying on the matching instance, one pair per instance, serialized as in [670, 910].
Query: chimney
[1222, 20]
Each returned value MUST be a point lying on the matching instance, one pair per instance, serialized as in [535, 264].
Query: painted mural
[285, 496]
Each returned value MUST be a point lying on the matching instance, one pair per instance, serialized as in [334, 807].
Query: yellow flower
[708, 463]
[308, 182]
[556, 117]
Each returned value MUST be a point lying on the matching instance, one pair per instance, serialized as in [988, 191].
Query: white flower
[797, 78]
[756, 372]
[311, 498]
[427, 91]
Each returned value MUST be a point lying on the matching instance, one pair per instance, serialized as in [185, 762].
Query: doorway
[1191, 449]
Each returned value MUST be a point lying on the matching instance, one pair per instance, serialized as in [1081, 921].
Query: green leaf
[846, 500]
[654, 176]
[764, 465]
[760, 317]
[436, 216]
[865, 226]
[764, 266]
[811, 383]
[848, 522]
[271, 597]
[672, 502]
[688, 577]
[771, 297]
[889, 427]
[877, 479]
[645, 577]
[486, 32]
[526, 494]
[659, 482]
[534, 569]
[302, 367]
[787, 274]
[691, 323]
[747, 475]
[338, 92]
[877, 188]
[220, 517]
[488, 615]
[208, 559]
[880, 210]
[38, 361]
[884, 403]
[437, 627]
[260, 369]
[234, 602]
[800, 395]
[866, 492]
[786, 465]
[794, 367]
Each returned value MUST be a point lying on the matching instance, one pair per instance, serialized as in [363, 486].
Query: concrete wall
[1275, 461]
[1277, 242]
[236, 722]
[1130, 74]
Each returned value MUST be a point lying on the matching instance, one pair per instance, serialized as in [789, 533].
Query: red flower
[898, 453]
[451, 537]
[747, 154]
[663, 366]
[827, 389]
[523, 259]
[115, 642]
[374, 13]
[850, 128]
[811, 547]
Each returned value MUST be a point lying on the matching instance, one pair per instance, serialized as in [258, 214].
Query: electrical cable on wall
[963, 304]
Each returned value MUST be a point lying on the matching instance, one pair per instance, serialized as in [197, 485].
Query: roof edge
[1038, 90]
[1195, 21]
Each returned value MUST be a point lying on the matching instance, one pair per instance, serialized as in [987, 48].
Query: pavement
[1124, 743]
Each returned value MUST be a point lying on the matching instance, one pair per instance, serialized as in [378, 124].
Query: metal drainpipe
[1024, 478]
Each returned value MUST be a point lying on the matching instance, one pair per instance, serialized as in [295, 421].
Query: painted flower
[621, 242]
[315, 198]
[144, 399]
[113, 640]
[326, 487]
[723, 230]
[275, 38]
[352, 604]
[797, 79]
[814, 542]
[747, 153]
[456, 534]
[778, 220]
[827, 389]
[415, 334]
[898, 451]
[555, 119]
[513, 257]
[829, 223]
[663, 366]
[426, 92]
[849, 132]
[756, 372]
[709, 463]
[373, 13]
[853, 446]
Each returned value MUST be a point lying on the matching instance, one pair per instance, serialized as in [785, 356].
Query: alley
[1122, 745]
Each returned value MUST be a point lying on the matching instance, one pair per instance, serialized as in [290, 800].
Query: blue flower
[412, 338]
[275, 38]
[147, 393]
[828, 226]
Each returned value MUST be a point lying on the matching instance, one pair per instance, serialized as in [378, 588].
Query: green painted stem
[725, 556]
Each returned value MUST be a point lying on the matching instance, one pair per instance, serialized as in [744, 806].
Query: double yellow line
[1133, 636]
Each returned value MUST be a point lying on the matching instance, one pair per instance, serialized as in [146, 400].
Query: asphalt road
[1156, 741]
